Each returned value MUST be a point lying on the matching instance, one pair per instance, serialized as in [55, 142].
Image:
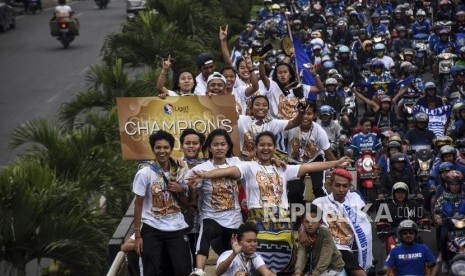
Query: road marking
[79, 14]
[53, 98]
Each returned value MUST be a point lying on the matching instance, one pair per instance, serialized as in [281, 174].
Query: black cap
[203, 59]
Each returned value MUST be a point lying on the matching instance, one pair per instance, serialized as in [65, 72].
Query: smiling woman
[266, 189]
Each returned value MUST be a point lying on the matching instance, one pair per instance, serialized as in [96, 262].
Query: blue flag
[302, 58]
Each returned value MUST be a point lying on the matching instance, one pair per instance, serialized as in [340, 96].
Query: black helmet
[394, 144]
[421, 117]
[406, 225]
[398, 158]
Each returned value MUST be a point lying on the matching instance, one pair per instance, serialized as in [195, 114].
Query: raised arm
[166, 65]
[321, 166]
[369, 102]
[262, 72]
[297, 120]
[224, 46]
[318, 83]
[253, 78]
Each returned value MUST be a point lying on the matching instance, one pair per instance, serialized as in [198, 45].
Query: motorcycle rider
[379, 83]
[342, 35]
[384, 8]
[401, 42]
[366, 53]
[455, 89]
[354, 23]
[446, 154]
[364, 140]
[398, 19]
[380, 50]
[334, 98]
[429, 99]
[420, 137]
[317, 18]
[457, 129]
[448, 205]
[376, 27]
[356, 45]
[265, 11]
[444, 45]
[459, 26]
[461, 57]
[393, 146]
[330, 126]
[401, 208]
[347, 66]
[335, 8]
[446, 11]
[410, 257]
[397, 173]
[421, 24]
[460, 146]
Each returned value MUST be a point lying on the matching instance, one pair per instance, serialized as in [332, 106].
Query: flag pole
[289, 31]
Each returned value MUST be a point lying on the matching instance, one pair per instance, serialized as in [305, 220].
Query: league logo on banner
[138, 117]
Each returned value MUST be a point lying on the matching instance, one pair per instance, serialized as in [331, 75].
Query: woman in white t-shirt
[284, 91]
[243, 257]
[251, 126]
[266, 197]
[218, 204]
[159, 225]
[184, 83]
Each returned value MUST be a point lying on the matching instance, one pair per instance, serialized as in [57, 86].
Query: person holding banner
[159, 224]
[216, 84]
[183, 85]
[266, 189]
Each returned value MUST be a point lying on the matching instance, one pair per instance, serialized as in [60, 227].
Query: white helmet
[421, 13]
[318, 41]
[331, 81]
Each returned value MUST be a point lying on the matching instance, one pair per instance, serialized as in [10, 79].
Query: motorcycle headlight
[459, 223]
[367, 164]
[424, 166]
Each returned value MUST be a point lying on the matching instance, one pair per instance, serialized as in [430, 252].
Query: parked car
[7, 17]
[133, 7]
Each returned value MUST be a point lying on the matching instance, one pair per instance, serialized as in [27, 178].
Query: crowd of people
[296, 135]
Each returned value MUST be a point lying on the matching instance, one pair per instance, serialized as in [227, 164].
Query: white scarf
[358, 221]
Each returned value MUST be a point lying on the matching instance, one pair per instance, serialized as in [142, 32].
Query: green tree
[42, 216]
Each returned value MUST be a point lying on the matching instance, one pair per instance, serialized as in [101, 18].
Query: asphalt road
[37, 75]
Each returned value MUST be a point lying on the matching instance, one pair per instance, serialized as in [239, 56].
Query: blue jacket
[361, 142]
[435, 178]
[373, 30]
[423, 27]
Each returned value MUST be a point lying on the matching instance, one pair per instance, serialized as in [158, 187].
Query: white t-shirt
[237, 264]
[218, 198]
[306, 146]
[266, 186]
[249, 129]
[159, 209]
[63, 11]
[281, 106]
[242, 100]
[333, 130]
[201, 87]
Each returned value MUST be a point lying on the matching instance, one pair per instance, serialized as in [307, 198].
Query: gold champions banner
[138, 117]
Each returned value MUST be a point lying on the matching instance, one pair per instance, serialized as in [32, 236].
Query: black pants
[296, 189]
[209, 230]
[156, 242]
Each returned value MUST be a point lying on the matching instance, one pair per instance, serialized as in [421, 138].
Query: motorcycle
[420, 44]
[457, 264]
[425, 158]
[367, 173]
[32, 6]
[350, 106]
[65, 32]
[455, 234]
[445, 63]
[102, 4]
